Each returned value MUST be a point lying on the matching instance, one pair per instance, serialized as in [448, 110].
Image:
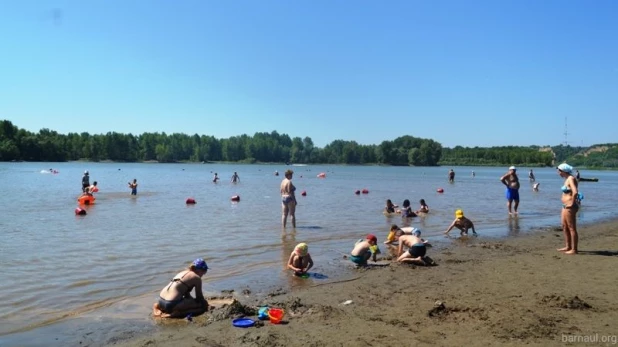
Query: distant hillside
[597, 156]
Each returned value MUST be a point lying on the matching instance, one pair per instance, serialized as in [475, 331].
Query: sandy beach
[482, 292]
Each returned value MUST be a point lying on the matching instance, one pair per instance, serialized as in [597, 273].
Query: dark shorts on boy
[418, 250]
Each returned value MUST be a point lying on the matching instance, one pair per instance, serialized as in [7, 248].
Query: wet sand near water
[482, 292]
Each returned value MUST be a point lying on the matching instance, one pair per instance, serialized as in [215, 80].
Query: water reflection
[513, 226]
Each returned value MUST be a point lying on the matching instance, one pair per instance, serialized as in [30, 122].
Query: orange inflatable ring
[86, 199]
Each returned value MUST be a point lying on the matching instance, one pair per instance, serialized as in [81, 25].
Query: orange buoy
[304, 193]
[440, 190]
[190, 201]
[365, 191]
[235, 198]
[86, 199]
[80, 211]
[357, 192]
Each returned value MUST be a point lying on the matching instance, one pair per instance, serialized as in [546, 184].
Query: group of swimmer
[235, 178]
[89, 190]
[175, 299]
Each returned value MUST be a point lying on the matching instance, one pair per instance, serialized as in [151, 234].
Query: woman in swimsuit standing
[175, 300]
[569, 209]
[288, 199]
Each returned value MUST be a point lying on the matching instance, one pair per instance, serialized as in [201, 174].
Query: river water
[57, 266]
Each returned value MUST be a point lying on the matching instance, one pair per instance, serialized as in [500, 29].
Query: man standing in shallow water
[511, 181]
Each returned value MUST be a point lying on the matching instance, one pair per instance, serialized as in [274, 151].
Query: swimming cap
[459, 213]
[512, 168]
[372, 237]
[86, 172]
[564, 167]
[301, 249]
[416, 232]
[200, 264]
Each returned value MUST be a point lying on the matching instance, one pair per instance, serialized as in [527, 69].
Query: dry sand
[492, 292]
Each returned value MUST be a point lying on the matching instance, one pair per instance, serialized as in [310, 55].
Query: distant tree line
[47, 145]
[505, 156]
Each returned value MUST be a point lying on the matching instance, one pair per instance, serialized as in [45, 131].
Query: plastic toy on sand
[243, 322]
[275, 315]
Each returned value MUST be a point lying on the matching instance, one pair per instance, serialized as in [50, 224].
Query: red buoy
[235, 198]
[304, 193]
[80, 212]
[365, 191]
[190, 201]
[357, 192]
[440, 190]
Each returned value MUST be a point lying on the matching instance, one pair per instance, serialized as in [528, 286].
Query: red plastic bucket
[275, 315]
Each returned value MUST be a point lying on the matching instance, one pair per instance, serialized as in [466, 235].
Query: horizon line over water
[92, 261]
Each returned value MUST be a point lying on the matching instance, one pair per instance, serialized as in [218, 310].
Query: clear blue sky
[471, 73]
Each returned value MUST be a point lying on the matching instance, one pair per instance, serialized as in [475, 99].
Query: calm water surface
[56, 265]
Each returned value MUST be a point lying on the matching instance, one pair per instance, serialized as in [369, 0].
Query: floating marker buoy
[321, 175]
[440, 190]
[80, 211]
[365, 191]
[304, 193]
[235, 198]
[357, 192]
[190, 201]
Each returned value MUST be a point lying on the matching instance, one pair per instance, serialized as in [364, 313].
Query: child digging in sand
[365, 249]
[300, 260]
[417, 248]
[462, 223]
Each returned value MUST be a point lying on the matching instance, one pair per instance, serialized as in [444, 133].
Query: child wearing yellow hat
[300, 260]
[462, 223]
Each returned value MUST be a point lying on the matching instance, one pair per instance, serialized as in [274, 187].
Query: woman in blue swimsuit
[570, 206]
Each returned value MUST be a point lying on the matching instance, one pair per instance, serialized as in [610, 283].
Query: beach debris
[347, 302]
[246, 291]
[227, 291]
[574, 303]
[438, 309]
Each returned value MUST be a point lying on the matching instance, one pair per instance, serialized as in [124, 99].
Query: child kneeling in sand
[300, 260]
[365, 249]
[417, 248]
[462, 223]
[175, 300]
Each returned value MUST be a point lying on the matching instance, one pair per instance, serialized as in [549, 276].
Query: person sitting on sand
[417, 248]
[396, 232]
[393, 234]
[175, 300]
[365, 249]
[424, 208]
[406, 211]
[462, 223]
[300, 260]
[390, 207]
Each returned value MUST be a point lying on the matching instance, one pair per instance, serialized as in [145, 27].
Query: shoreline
[482, 283]
[509, 292]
